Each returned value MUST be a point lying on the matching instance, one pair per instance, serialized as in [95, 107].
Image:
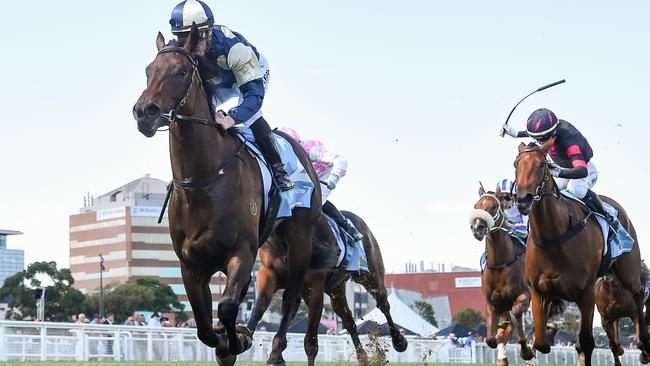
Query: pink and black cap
[541, 123]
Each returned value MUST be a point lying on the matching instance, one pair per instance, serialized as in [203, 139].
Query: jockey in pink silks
[330, 167]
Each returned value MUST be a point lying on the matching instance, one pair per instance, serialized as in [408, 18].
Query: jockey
[330, 167]
[232, 67]
[513, 216]
[574, 171]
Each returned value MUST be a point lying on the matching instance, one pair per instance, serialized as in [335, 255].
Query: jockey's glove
[509, 130]
[555, 170]
[331, 181]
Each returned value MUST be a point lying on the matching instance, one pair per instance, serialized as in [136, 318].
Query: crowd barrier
[30, 341]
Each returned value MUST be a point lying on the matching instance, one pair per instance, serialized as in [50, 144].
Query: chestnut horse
[503, 282]
[214, 219]
[273, 276]
[565, 251]
[613, 303]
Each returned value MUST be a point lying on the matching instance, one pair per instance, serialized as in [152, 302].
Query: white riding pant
[226, 94]
[579, 187]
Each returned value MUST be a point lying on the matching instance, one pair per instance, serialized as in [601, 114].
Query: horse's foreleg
[239, 277]
[491, 322]
[298, 257]
[266, 288]
[518, 310]
[610, 326]
[373, 282]
[340, 306]
[586, 344]
[198, 292]
[642, 336]
[313, 295]
[541, 307]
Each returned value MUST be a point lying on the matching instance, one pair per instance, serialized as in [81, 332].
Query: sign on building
[463, 282]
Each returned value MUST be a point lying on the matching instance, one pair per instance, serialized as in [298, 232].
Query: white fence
[63, 341]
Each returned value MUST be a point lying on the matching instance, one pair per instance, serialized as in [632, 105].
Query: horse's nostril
[151, 110]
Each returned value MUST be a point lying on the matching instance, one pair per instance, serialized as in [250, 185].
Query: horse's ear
[548, 144]
[160, 41]
[521, 147]
[498, 192]
[203, 43]
[481, 191]
[192, 39]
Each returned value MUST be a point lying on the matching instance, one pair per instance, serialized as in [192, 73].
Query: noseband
[173, 116]
[484, 214]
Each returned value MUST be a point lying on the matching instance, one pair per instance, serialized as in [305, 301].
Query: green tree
[426, 311]
[61, 299]
[139, 294]
[469, 318]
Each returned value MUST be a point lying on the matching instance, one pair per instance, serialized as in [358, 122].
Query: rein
[172, 116]
[510, 262]
[540, 193]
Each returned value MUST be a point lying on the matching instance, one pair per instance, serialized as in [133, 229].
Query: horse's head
[486, 214]
[171, 78]
[531, 171]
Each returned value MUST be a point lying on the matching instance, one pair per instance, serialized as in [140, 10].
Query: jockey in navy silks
[572, 154]
[232, 67]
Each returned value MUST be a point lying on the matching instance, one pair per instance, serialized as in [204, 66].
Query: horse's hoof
[227, 360]
[526, 353]
[544, 348]
[491, 342]
[279, 362]
[502, 361]
[399, 343]
[245, 341]
[620, 351]
[644, 358]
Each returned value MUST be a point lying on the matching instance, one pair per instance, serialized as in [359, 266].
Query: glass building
[11, 260]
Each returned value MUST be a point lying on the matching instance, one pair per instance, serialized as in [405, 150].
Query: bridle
[499, 216]
[173, 115]
[540, 189]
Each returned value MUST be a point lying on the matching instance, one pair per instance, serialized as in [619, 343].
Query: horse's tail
[558, 306]
[645, 273]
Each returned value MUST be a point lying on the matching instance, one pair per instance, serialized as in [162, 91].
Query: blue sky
[413, 93]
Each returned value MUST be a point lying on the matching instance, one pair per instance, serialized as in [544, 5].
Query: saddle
[617, 242]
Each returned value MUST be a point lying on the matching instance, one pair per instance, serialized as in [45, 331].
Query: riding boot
[353, 234]
[593, 202]
[266, 142]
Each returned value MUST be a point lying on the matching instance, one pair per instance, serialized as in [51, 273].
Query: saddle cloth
[621, 242]
[355, 256]
[300, 195]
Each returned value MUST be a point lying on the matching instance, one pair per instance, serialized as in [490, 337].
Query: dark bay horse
[565, 250]
[214, 211]
[613, 303]
[504, 285]
[273, 276]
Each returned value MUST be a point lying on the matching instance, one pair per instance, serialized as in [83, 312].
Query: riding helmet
[541, 124]
[188, 12]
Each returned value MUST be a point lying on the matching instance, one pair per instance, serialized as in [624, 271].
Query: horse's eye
[182, 73]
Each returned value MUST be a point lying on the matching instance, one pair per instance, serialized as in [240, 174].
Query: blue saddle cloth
[620, 242]
[517, 239]
[354, 258]
[300, 195]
